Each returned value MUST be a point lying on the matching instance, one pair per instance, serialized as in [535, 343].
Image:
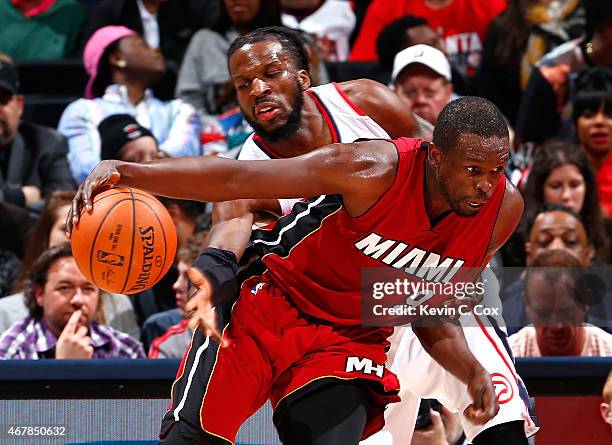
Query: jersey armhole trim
[350, 103]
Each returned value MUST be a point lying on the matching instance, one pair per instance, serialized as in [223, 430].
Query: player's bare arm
[232, 222]
[230, 231]
[360, 172]
[386, 109]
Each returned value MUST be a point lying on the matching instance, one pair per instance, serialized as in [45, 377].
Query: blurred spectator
[546, 97]
[606, 406]
[554, 227]
[422, 78]
[561, 174]
[592, 115]
[204, 79]
[173, 342]
[461, 23]
[61, 323]
[164, 24]
[517, 39]
[121, 68]
[155, 304]
[402, 33]
[15, 222]
[189, 217]
[32, 158]
[318, 71]
[331, 21]
[409, 31]
[49, 231]
[123, 138]
[40, 29]
[9, 265]
[557, 308]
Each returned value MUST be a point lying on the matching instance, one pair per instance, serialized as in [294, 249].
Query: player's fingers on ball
[86, 195]
[114, 178]
[75, 211]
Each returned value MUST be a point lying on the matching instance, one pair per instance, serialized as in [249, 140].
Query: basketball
[127, 244]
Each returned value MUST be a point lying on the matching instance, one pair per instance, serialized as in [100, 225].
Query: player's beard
[290, 127]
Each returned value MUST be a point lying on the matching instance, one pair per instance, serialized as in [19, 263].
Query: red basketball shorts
[277, 352]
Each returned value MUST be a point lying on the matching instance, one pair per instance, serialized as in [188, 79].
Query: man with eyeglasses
[33, 161]
[422, 78]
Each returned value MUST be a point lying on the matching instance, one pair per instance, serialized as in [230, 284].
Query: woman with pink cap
[122, 68]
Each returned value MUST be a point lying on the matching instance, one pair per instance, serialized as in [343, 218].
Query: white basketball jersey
[345, 120]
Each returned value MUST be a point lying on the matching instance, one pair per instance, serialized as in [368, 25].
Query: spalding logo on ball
[127, 244]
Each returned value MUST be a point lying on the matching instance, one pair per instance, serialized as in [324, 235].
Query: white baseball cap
[424, 54]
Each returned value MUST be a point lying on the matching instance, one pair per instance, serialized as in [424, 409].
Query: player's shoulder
[512, 204]
[359, 89]
[509, 215]
[381, 104]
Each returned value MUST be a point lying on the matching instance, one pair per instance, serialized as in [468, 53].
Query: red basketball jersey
[317, 253]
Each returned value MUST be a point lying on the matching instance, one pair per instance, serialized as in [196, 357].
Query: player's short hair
[290, 40]
[37, 275]
[468, 115]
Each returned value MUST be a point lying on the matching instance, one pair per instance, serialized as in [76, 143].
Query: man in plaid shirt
[61, 324]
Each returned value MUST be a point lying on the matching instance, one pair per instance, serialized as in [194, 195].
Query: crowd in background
[157, 85]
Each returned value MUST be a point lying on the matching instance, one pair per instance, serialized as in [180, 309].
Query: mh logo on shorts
[364, 365]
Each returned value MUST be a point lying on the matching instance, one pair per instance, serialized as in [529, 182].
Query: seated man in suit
[33, 158]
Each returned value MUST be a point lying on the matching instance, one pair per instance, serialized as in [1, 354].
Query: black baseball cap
[116, 131]
[8, 77]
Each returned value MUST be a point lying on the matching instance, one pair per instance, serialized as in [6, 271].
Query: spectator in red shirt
[461, 23]
[593, 122]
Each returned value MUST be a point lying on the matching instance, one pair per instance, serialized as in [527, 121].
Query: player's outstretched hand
[73, 342]
[201, 309]
[102, 178]
[484, 402]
